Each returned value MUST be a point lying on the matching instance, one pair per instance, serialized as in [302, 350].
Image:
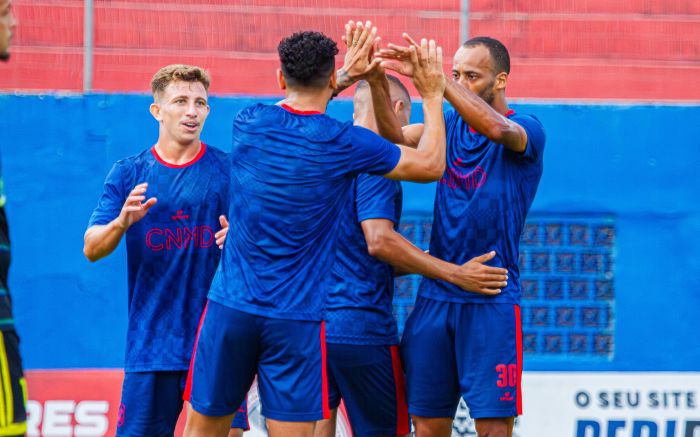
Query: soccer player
[292, 172]
[458, 343]
[13, 414]
[171, 248]
[364, 368]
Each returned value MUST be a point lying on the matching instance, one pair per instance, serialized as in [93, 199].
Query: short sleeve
[372, 153]
[376, 198]
[113, 196]
[535, 137]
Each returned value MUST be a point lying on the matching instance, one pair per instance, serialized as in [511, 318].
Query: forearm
[481, 117]
[409, 259]
[388, 123]
[431, 146]
[343, 81]
[101, 240]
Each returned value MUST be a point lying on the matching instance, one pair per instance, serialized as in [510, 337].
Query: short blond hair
[171, 73]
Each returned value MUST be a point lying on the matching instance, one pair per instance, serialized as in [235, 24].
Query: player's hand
[397, 58]
[428, 77]
[221, 234]
[477, 277]
[135, 207]
[361, 41]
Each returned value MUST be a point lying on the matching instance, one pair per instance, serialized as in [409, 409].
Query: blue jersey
[359, 306]
[481, 204]
[172, 253]
[290, 179]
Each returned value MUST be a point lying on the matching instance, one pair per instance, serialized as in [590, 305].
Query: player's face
[473, 69]
[8, 22]
[183, 110]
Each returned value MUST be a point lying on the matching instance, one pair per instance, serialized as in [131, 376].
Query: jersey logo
[456, 178]
[180, 215]
[181, 237]
[507, 397]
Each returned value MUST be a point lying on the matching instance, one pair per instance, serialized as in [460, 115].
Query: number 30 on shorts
[507, 375]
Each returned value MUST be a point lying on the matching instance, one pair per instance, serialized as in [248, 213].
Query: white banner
[574, 404]
[577, 404]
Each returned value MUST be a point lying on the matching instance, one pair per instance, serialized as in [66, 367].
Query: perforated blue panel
[566, 265]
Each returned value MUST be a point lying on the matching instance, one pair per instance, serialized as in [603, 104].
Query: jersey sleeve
[112, 199]
[535, 137]
[376, 198]
[372, 153]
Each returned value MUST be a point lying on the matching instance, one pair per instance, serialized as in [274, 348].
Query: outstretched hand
[398, 58]
[361, 41]
[135, 207]
[477, 277]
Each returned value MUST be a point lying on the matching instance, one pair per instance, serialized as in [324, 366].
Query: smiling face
[8, 22]
[181, 108]
[475, 69]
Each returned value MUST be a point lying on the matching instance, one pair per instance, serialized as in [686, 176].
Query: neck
[176, 153]
[307, 100]
[500, 104]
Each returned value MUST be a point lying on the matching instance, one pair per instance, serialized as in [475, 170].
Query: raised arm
[384, 243]
[360, 42]
[484, 119]
[427, 161]
[101, 240]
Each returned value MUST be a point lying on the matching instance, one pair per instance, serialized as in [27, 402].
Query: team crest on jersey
[180, 215]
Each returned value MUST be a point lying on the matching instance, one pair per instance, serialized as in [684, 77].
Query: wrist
[120, 224]
[432, 98]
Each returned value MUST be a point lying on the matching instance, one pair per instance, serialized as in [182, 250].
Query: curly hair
[171, 73]
[307, 59]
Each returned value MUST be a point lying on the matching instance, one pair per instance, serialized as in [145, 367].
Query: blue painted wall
[636, 163]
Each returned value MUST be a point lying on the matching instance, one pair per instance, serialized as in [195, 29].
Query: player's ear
[334, 81]
[155, 111]
[398, 107]
[280, 79]
[501, 80]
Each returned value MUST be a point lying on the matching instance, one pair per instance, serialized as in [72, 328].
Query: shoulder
[532, 125]
[218, 154]
[253, 111]
[361, 134]
[527, 120]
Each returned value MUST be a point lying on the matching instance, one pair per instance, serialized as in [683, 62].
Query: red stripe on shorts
[188, 385]
[519, 352]
[324, 373]
[402, 424]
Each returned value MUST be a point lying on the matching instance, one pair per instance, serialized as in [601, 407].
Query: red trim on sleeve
[187, 164]
[402, 423]
[188, 385]
[298, 112]
[519, 352]
[324, 374]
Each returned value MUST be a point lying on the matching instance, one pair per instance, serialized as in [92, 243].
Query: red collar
[186, 164]
[298, 112]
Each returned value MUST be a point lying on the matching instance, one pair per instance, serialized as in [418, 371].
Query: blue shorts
[371, 382]
[152, 402]
[288, 356]
[460, 349]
